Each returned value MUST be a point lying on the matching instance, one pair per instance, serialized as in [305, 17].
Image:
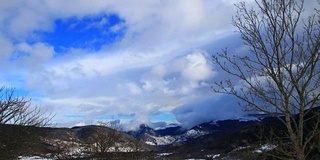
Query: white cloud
[197, 68]
[163, 20]
[37, 51]
[131, 87]
[143, 93]
[6, 48]
[153, 68]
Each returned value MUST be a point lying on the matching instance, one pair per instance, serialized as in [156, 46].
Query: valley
[223, 139]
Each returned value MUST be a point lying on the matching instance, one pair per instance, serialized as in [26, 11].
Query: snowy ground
[33, 158]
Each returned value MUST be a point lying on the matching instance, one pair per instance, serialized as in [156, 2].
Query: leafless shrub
[69, 148]
[104, 138]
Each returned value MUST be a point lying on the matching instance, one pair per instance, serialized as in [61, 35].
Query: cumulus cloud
[197, 68]
[141, 92]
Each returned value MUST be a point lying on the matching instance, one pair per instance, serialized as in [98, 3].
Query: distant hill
[244, 138]
[56, 142]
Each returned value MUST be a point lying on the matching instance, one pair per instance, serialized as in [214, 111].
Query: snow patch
[33, 158]
[213, 156]
[165, 140]
[265, 147]
[164, 154]
[195, 133]
[150, 143]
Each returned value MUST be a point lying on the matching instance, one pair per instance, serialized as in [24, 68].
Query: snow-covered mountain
[177, 135]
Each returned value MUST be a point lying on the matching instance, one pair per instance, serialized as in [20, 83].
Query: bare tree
[281, 72]
[104, 137]
[61, 149]
[17, 110]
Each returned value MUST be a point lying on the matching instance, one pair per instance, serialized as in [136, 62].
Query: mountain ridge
[222, 138]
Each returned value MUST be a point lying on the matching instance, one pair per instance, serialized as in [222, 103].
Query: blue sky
[88, 32]
[142, 61]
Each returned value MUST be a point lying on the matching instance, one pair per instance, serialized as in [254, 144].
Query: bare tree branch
[281, 71]
[18, 111]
